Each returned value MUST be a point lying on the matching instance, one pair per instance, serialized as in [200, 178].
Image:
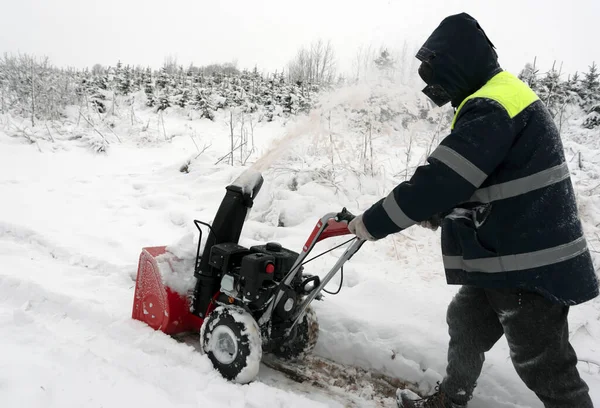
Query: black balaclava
[456, 60]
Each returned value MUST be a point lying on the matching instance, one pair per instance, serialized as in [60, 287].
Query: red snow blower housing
[245, 300]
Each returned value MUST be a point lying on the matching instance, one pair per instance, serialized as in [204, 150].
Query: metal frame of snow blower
[330, 225]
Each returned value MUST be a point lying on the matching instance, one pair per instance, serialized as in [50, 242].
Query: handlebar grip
[344, 215]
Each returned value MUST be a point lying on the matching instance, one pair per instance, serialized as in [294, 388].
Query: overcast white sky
[268, 33]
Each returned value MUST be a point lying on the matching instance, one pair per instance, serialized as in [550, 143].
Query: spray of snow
[303, 127]
[351, 97]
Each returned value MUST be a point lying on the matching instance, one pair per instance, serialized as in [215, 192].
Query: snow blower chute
[245, 300]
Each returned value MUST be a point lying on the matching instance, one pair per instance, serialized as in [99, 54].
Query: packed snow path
[72, 224]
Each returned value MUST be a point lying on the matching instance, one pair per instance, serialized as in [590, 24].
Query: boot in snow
[437, 400]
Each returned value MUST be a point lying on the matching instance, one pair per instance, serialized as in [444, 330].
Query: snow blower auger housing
[245, 300]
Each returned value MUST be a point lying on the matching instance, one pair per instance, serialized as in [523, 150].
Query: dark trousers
[538, 337]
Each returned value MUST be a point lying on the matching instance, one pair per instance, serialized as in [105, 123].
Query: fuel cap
[273, 246]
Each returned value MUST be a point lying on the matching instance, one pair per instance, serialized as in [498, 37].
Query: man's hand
[357, 227]
[429, 225]
[433, 223]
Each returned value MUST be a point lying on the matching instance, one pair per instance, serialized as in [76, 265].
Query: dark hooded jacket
[499, 178]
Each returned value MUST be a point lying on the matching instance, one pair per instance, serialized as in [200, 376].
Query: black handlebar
[344, 215]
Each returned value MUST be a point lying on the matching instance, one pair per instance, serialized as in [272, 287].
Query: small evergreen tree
[591, 80]
[139, 78]
[149, 88]
[590, 85]
[125, 80]
[529, 75]
[573, 84]
[164, 79]
[384, 62]
[551, 90]
[97, 92]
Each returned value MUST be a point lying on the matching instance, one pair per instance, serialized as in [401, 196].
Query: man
[511, 235]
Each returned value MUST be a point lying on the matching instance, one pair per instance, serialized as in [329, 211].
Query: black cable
[328, 251]
[342, 268]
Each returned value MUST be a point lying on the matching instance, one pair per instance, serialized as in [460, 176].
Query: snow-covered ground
[73, 222]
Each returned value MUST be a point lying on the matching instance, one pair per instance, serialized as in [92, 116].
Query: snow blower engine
[246, 301]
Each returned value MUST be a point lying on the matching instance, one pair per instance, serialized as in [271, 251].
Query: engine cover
[256, 270]
[284, 258]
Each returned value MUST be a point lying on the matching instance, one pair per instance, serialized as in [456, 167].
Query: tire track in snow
[37, 241]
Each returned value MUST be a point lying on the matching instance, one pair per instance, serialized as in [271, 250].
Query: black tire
[231, 339]
[303, 343]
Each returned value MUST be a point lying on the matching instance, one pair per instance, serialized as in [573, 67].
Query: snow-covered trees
[32, 88]
[556, 92]
[218, 86]
[529, 75]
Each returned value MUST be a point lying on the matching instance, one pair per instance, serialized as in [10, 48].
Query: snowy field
[73, 222]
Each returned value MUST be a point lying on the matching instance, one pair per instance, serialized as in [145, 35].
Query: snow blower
[246, 301]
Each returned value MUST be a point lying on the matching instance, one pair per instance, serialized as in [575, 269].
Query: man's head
[456, 60]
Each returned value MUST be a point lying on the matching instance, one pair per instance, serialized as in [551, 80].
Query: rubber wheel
[307, 334]
[231, 339]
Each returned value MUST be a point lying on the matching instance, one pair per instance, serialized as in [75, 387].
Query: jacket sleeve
[479, 142]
